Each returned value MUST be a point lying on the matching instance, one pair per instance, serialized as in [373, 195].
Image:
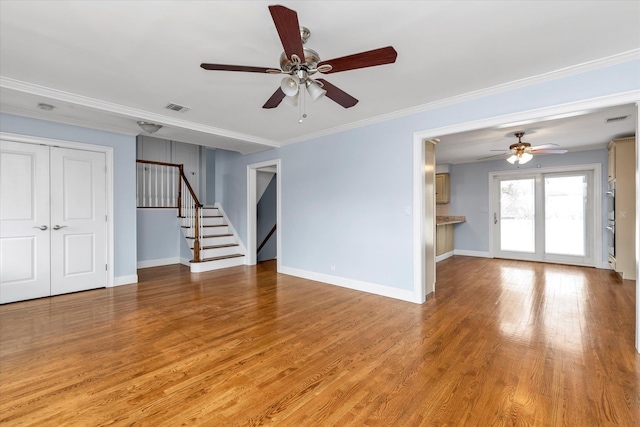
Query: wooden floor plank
[500, 343]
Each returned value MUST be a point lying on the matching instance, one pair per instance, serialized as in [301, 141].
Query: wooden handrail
[186, 181]
[151, 162]
[264, 242]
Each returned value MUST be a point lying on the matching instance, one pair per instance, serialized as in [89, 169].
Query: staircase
[219, 247]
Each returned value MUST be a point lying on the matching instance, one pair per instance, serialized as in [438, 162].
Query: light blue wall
[124, 177]
[159, 234]
[470, 193]
[210, 159]
[344, 195]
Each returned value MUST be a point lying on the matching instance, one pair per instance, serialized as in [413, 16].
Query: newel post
[196, 242]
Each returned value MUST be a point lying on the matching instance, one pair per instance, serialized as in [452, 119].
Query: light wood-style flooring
[501, 343]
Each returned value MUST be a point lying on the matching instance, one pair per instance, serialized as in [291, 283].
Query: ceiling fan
[300, 63]
[522, 152]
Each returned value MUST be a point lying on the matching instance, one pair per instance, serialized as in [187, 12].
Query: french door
[545, 217]
[52, 221]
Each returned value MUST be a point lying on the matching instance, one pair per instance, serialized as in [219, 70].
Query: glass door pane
[565, 203]
[517, 215]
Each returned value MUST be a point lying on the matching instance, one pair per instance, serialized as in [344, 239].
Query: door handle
[58, 227]
[495, 218]
[42, 227]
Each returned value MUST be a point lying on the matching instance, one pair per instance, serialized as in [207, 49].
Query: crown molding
[134, 113]
[469, 96]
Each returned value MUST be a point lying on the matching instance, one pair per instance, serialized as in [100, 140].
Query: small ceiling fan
[300, 63]
[521, 152]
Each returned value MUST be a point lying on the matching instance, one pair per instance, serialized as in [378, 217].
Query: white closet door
[78, 220]
[24, 221]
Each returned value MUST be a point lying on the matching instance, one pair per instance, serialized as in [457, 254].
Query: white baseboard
[479, 254]
[125, 280]
[444, 256]
[372, 288]
[158, 262]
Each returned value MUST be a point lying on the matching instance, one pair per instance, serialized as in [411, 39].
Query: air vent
[616, 119]
[176, 107]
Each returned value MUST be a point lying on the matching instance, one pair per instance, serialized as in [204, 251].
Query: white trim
[469, 96]
[596, 168]
[358, 285]
[158, 262]
[418, 170]
[243, 249]
[252, 211]
[184, 261]
[444, 256]
[97, 104]
[108, 152]
[125, 280]
[637, 228]
[477, 254]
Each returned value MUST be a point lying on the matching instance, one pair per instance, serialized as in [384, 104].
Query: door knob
[42, 227]
[58, 227]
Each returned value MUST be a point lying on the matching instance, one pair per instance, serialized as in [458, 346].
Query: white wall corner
[124, 280]
[444, 256]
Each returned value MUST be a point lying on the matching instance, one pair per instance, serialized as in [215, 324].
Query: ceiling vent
[176, 107]
[616, 119]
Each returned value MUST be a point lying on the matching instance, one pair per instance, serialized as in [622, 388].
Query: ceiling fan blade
[543, 146]
[286, 21]
[275, 99]
[338, 95]
[496, 155]
[548, 151]
[371, 58]
[223, 67]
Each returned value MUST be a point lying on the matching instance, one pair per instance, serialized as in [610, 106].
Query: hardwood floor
[501, 343]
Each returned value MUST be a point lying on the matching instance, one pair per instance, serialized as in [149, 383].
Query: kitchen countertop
[443, 220]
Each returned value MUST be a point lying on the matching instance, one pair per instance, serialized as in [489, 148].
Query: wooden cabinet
[444, 239]
[442, 188]
[623, 151]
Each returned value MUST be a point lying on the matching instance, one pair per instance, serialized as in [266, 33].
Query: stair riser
[213, 231]
[212, 253]
[197, 267]
[213, 241]
[211, 212]
[206, 221]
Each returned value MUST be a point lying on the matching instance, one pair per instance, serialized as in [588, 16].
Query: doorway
[550, 215]
[256, 236]
[53, 214]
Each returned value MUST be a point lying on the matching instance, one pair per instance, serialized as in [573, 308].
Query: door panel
[24, 210]
[78, 220]
[517, 216]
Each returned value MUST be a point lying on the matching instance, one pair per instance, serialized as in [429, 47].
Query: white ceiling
[107, 64]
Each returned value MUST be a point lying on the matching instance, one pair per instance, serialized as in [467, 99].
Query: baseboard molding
[444, 256]
[357, 285]
[125, 280]
[478, 254]
[157, 262]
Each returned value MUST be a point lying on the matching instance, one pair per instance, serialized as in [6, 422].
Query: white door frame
[596, 226]
[108, 152]
[252, 211]
[542, 114]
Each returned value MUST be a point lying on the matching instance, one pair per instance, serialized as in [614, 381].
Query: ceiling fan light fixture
[315, 90]
[149, 127]
[289, 86]
[512, 159]
[525, 158]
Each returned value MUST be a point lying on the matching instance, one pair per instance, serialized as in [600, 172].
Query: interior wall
[124, 177]
[344, 195]
[470, 194]
[158, 235]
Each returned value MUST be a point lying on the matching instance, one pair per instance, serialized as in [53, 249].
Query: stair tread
[205, 226]
[220, 257]
[212, 235]
[228, 245]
